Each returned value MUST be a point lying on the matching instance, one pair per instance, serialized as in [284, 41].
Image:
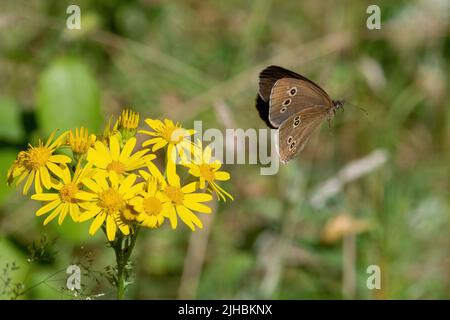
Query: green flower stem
[123, 247]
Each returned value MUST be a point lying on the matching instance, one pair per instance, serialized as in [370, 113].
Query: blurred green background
[199, 60]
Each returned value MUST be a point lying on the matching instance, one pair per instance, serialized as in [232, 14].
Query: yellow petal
[45, 177]
[50, 138]
[100, 178]
[52, 215]
[133, 190]
[74, 211]
[103, 151]
[62, 215]
[87, 215]
[86, 196]
[191, 187]
[168, 123]
[114, 178]
[172, 176]
[194, 170]
[59, 158]
[154, 124]
[87, 206]
[190, 219]
[45, 196]
[156, 173]
[207, 155]
[139, 159]
[127, 183]
[172, 215]
[55, 169]
[202, 183]
[48, 207]
[127, 150]
[221, 192]
[91, 185]
[58, 141]
[37, 183]
[222, 175]
[110, 228]
[98, 158]
[160, 144]
[197, 197]
[151, 141]
[115, 148]
[151, 187]
[125, 229]
[22, 177]
[150, 133]
[27, 185]
[97, 223]
[197, 206]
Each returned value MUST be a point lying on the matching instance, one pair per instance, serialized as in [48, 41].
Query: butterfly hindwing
[293, 134]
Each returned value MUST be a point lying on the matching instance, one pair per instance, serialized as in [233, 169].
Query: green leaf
[68, 97]
[10, 124]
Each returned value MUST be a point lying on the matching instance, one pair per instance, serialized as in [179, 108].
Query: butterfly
[294, 105]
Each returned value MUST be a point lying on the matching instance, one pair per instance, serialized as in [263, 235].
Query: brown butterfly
[293, 104]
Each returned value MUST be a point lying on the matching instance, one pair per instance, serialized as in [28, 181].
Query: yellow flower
[151, 205]
[65, 200]
[128, 120]
[108, 132]
[129, 214]
[17, 167]
[182, 199]
[168, 134]
[81, 141]
[107, 199]
[35, 163]
[112, 159]
[207, 170]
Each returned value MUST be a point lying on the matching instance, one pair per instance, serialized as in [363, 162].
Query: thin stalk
[123, 250]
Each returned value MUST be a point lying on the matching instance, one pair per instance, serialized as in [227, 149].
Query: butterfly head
[338, 104]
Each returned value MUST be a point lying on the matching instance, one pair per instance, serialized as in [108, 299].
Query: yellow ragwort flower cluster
[109, 181]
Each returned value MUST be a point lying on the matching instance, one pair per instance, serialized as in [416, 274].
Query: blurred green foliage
[182, 60]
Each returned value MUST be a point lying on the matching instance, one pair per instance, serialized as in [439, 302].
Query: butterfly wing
[293, 134]
[274, 85]
[267, 79]
[270, 75]
[289, 96]
[263, 110]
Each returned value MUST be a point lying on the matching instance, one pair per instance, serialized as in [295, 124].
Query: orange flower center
[152, 206]
[206, 171]
[38, 157]
[111, 201]
[116, 166]
[67, 193]
[173, 135]
[175, 194]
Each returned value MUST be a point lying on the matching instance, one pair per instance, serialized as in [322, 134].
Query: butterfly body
[294, 105]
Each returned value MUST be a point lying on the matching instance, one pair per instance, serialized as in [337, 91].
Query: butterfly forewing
[290, 95]
[271, 74]
[296, 130]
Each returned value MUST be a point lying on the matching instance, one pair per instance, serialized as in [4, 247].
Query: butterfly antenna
[357, 107]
